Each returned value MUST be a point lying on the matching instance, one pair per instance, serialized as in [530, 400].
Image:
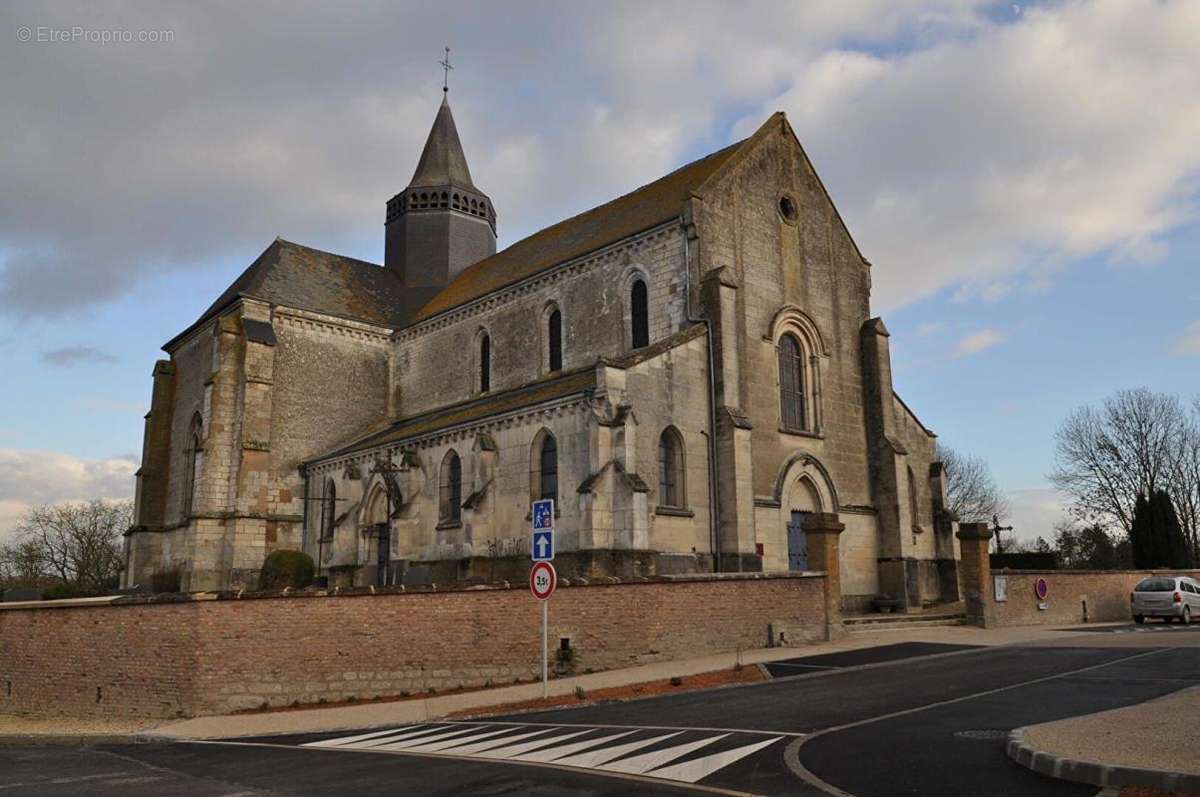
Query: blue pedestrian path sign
[543, 514]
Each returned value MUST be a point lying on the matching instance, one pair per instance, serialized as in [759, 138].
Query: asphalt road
[917, 720]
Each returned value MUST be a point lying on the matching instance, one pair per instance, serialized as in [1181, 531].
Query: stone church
[688, 370]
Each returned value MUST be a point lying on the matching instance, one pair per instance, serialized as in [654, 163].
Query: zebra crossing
[682, 755]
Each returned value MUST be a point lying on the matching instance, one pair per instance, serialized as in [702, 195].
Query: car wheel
[1186, 617]
[1139, 619]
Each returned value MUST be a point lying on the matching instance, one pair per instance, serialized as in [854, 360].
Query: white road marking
[700, 768]
[471, 749]
[422, 740]
[595, 758]
[641, 764]
[396, 733]
[552, 744]
[524, 747]
[551, 753]
[420, 745]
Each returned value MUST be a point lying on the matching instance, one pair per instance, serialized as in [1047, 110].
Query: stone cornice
[574, 403]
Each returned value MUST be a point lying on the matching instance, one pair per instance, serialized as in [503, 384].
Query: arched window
[329, 509]
[912, 499]
[485, 363]
[194, 462]
[554, 337]
[639, 315]
[450, 489]
[670, 469]
[791, 384]
[543, 467]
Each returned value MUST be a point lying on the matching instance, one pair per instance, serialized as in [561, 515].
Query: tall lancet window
[543, 467]
[450, 489]
[791, 384]
[329, 510]
[554, 336]
[639, 315]
[485, 364]
[193, 465]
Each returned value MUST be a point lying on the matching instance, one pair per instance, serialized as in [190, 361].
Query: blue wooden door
[797, 542]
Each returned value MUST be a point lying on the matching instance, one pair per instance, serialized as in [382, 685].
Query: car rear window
[1155, 585]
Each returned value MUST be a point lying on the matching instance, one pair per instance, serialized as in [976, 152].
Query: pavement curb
[1096, 773]
[67, 739]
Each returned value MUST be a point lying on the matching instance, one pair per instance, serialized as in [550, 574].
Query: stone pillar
[735, 493]
[976, 571]
[822, 530]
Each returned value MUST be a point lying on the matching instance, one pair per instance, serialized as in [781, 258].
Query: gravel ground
[1160, 734]
[69, 726]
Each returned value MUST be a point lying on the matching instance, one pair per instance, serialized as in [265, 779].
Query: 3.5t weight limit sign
[542, 580]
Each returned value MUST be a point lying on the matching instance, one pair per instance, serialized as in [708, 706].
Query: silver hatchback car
[1168, 597]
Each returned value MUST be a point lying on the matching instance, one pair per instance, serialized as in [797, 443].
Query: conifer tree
[1141, 534]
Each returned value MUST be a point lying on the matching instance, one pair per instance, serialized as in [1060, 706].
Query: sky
[1023, 178]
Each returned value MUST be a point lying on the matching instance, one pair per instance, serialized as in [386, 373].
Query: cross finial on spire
[446, 67]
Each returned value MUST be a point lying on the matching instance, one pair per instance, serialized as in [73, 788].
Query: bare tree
[1107, 456]
[78, 544]
[970, 489]
[1183, 478]
[21, 565]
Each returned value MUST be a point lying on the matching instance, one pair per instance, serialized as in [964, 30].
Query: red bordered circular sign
[1041, 589]
[542, 580]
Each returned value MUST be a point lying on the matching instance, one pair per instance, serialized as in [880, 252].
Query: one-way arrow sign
[543, 546]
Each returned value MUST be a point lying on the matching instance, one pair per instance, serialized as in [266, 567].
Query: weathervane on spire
[446, 69]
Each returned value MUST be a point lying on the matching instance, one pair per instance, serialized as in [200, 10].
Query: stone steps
[895, 622]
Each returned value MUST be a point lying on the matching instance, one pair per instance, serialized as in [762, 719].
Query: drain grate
[987, 734]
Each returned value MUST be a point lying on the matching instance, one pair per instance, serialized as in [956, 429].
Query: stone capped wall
[214, 656]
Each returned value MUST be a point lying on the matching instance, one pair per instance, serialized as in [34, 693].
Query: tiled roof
[465, 412]
[304, 278]
[628, 215]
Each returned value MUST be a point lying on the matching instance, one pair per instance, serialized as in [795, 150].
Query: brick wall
[194, 657]
[1106, 593]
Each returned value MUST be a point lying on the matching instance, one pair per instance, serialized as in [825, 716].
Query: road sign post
[542, 581]
[542, 578]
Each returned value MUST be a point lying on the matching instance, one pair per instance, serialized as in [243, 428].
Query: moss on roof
[628, 215]
[527, 396]
[304, 278]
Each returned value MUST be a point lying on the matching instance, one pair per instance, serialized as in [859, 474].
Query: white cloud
[928, 328]
[960, 148]
[1065, 133]
[29, 478]
[975, 342]
[69, 356]
[1189, 341]
[1035, 512]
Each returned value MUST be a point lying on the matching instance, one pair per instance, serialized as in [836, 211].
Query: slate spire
[442, 161]
[441, 223]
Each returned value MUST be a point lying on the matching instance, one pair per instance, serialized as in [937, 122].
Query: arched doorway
[803, 499]
[377, 535]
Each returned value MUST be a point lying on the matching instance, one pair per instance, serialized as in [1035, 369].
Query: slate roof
[304, 278]
[442, 161]
[628, 215]
[547, 389]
